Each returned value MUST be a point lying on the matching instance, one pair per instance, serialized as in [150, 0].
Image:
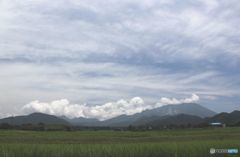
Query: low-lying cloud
[102, 112]
[174, 101]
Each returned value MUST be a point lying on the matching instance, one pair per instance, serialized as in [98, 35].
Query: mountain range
[181, 114]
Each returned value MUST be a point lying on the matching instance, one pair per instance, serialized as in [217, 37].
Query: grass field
[166, 143]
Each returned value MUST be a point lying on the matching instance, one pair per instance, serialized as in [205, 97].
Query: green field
[165, 143]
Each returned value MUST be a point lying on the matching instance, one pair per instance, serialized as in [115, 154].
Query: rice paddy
[162, 143]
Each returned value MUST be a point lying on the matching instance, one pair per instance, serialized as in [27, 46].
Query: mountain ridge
[182, 114]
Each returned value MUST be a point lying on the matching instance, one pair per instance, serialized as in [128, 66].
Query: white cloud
[102, 112]
[106, 111]
[174, 101]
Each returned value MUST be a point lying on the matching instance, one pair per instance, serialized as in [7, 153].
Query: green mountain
[34, 118]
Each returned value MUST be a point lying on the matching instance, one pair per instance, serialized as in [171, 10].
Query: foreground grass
[173, 143]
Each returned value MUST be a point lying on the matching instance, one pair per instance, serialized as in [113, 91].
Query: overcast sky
[94, 52]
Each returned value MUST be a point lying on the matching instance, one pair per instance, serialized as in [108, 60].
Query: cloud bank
[102, 112]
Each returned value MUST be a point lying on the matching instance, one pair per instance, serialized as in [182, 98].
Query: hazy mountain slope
[181, 119]
[168, 110]
[188, 108]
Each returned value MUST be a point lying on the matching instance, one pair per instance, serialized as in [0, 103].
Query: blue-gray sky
[96, 52]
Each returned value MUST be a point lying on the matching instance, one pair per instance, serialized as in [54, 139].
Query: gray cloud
[163, 28]
[99, 51]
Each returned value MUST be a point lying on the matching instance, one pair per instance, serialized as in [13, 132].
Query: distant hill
[232, 118]
[34, 118]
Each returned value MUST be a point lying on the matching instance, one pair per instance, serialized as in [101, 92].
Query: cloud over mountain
[109, 110]
[105, 111]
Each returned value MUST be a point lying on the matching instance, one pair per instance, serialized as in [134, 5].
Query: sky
[100, 59]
